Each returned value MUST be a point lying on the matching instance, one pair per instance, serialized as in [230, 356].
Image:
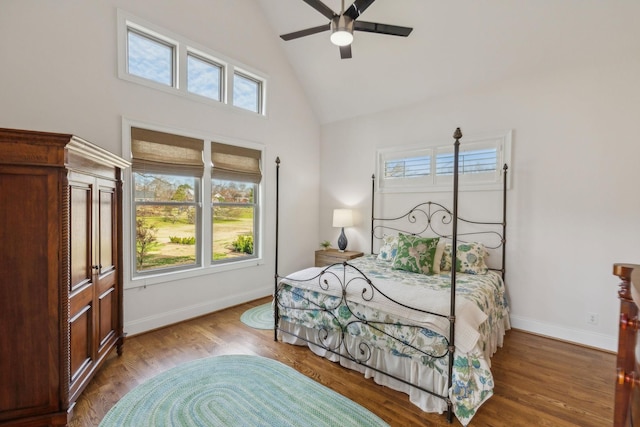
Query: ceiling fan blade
[345, 52]
[307, 32]
[357, 8]
[322, 8]
[372, 27]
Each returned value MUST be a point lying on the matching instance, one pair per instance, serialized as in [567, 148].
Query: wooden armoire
[627, 386]
[60, 271]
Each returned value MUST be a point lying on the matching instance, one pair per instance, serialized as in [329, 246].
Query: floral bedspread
[416, 336]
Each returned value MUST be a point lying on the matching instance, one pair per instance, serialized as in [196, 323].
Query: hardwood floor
[539, 381]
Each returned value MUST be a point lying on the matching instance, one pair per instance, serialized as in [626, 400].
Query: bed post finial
[457, 134]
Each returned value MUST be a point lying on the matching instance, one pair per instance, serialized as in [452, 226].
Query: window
[469, 162]
[204, 77]
[400, 167]
[167, 172]
[170, 230]
[166, 217]
[152, 56]
[412, 169]
[246, 92]
[234, 201]
[407, 167]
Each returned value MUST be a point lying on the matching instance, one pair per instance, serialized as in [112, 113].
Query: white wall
[573, 207]
[59, 74]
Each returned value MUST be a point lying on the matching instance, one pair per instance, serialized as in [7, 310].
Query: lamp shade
[342, 217]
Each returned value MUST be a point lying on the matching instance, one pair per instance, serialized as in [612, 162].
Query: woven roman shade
[235, 163]
[164, 153]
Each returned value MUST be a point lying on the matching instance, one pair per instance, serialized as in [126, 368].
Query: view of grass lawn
[226, 231]
[167, 234]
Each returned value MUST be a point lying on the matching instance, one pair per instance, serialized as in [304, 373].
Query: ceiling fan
[342, 26]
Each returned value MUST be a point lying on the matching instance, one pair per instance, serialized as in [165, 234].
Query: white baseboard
[578, 336]
[159, 320]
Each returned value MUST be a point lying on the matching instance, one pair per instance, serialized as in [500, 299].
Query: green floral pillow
[470, 258]
[389, 248]
[415, 254]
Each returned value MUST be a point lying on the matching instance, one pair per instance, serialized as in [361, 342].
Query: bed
[402, 314]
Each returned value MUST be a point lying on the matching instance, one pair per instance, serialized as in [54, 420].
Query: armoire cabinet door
[105, 257]
[81, 285]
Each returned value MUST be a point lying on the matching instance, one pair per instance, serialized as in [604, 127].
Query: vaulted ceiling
[456, 45]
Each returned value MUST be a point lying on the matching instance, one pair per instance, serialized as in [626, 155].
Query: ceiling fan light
[342, 31]
[341, 38]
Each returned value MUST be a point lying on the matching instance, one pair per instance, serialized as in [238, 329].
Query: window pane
[164, 188]
[233, 215]
[246, 93]
[410, 167]
[165, 236]
[150, 59]
[475, 161]
[203, 77]
[232, 231]
[166, 218]
[232, 192]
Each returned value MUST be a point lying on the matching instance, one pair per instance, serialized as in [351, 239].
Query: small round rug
[236, 390]
[260, 317]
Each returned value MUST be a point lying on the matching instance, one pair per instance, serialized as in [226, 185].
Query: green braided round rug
[260, 317]
[236, 390]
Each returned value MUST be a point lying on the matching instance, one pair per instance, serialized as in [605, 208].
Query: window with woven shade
[235, 177]
[195, 203]
[167, 175]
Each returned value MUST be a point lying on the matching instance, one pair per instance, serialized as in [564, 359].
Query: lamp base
[342, 241]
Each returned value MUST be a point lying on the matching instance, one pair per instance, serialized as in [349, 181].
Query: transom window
[430, 168]
[204, 77]
[247, 92]
[407, 167]
[469, 162]
[150, 58]
[155, 57]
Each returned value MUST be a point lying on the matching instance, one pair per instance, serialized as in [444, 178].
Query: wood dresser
[627, 393]
[60, 271]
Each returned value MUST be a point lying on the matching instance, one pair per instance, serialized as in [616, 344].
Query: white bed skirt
[402, 367]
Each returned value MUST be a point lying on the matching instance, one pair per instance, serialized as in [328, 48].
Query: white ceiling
[456, 45]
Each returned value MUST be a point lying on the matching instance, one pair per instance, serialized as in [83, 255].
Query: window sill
[155, 279]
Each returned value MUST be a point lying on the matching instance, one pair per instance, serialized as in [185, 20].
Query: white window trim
[207, 267]
[502, 140]
[183, 45]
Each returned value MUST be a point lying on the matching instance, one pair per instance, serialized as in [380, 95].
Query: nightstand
[333, 256]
